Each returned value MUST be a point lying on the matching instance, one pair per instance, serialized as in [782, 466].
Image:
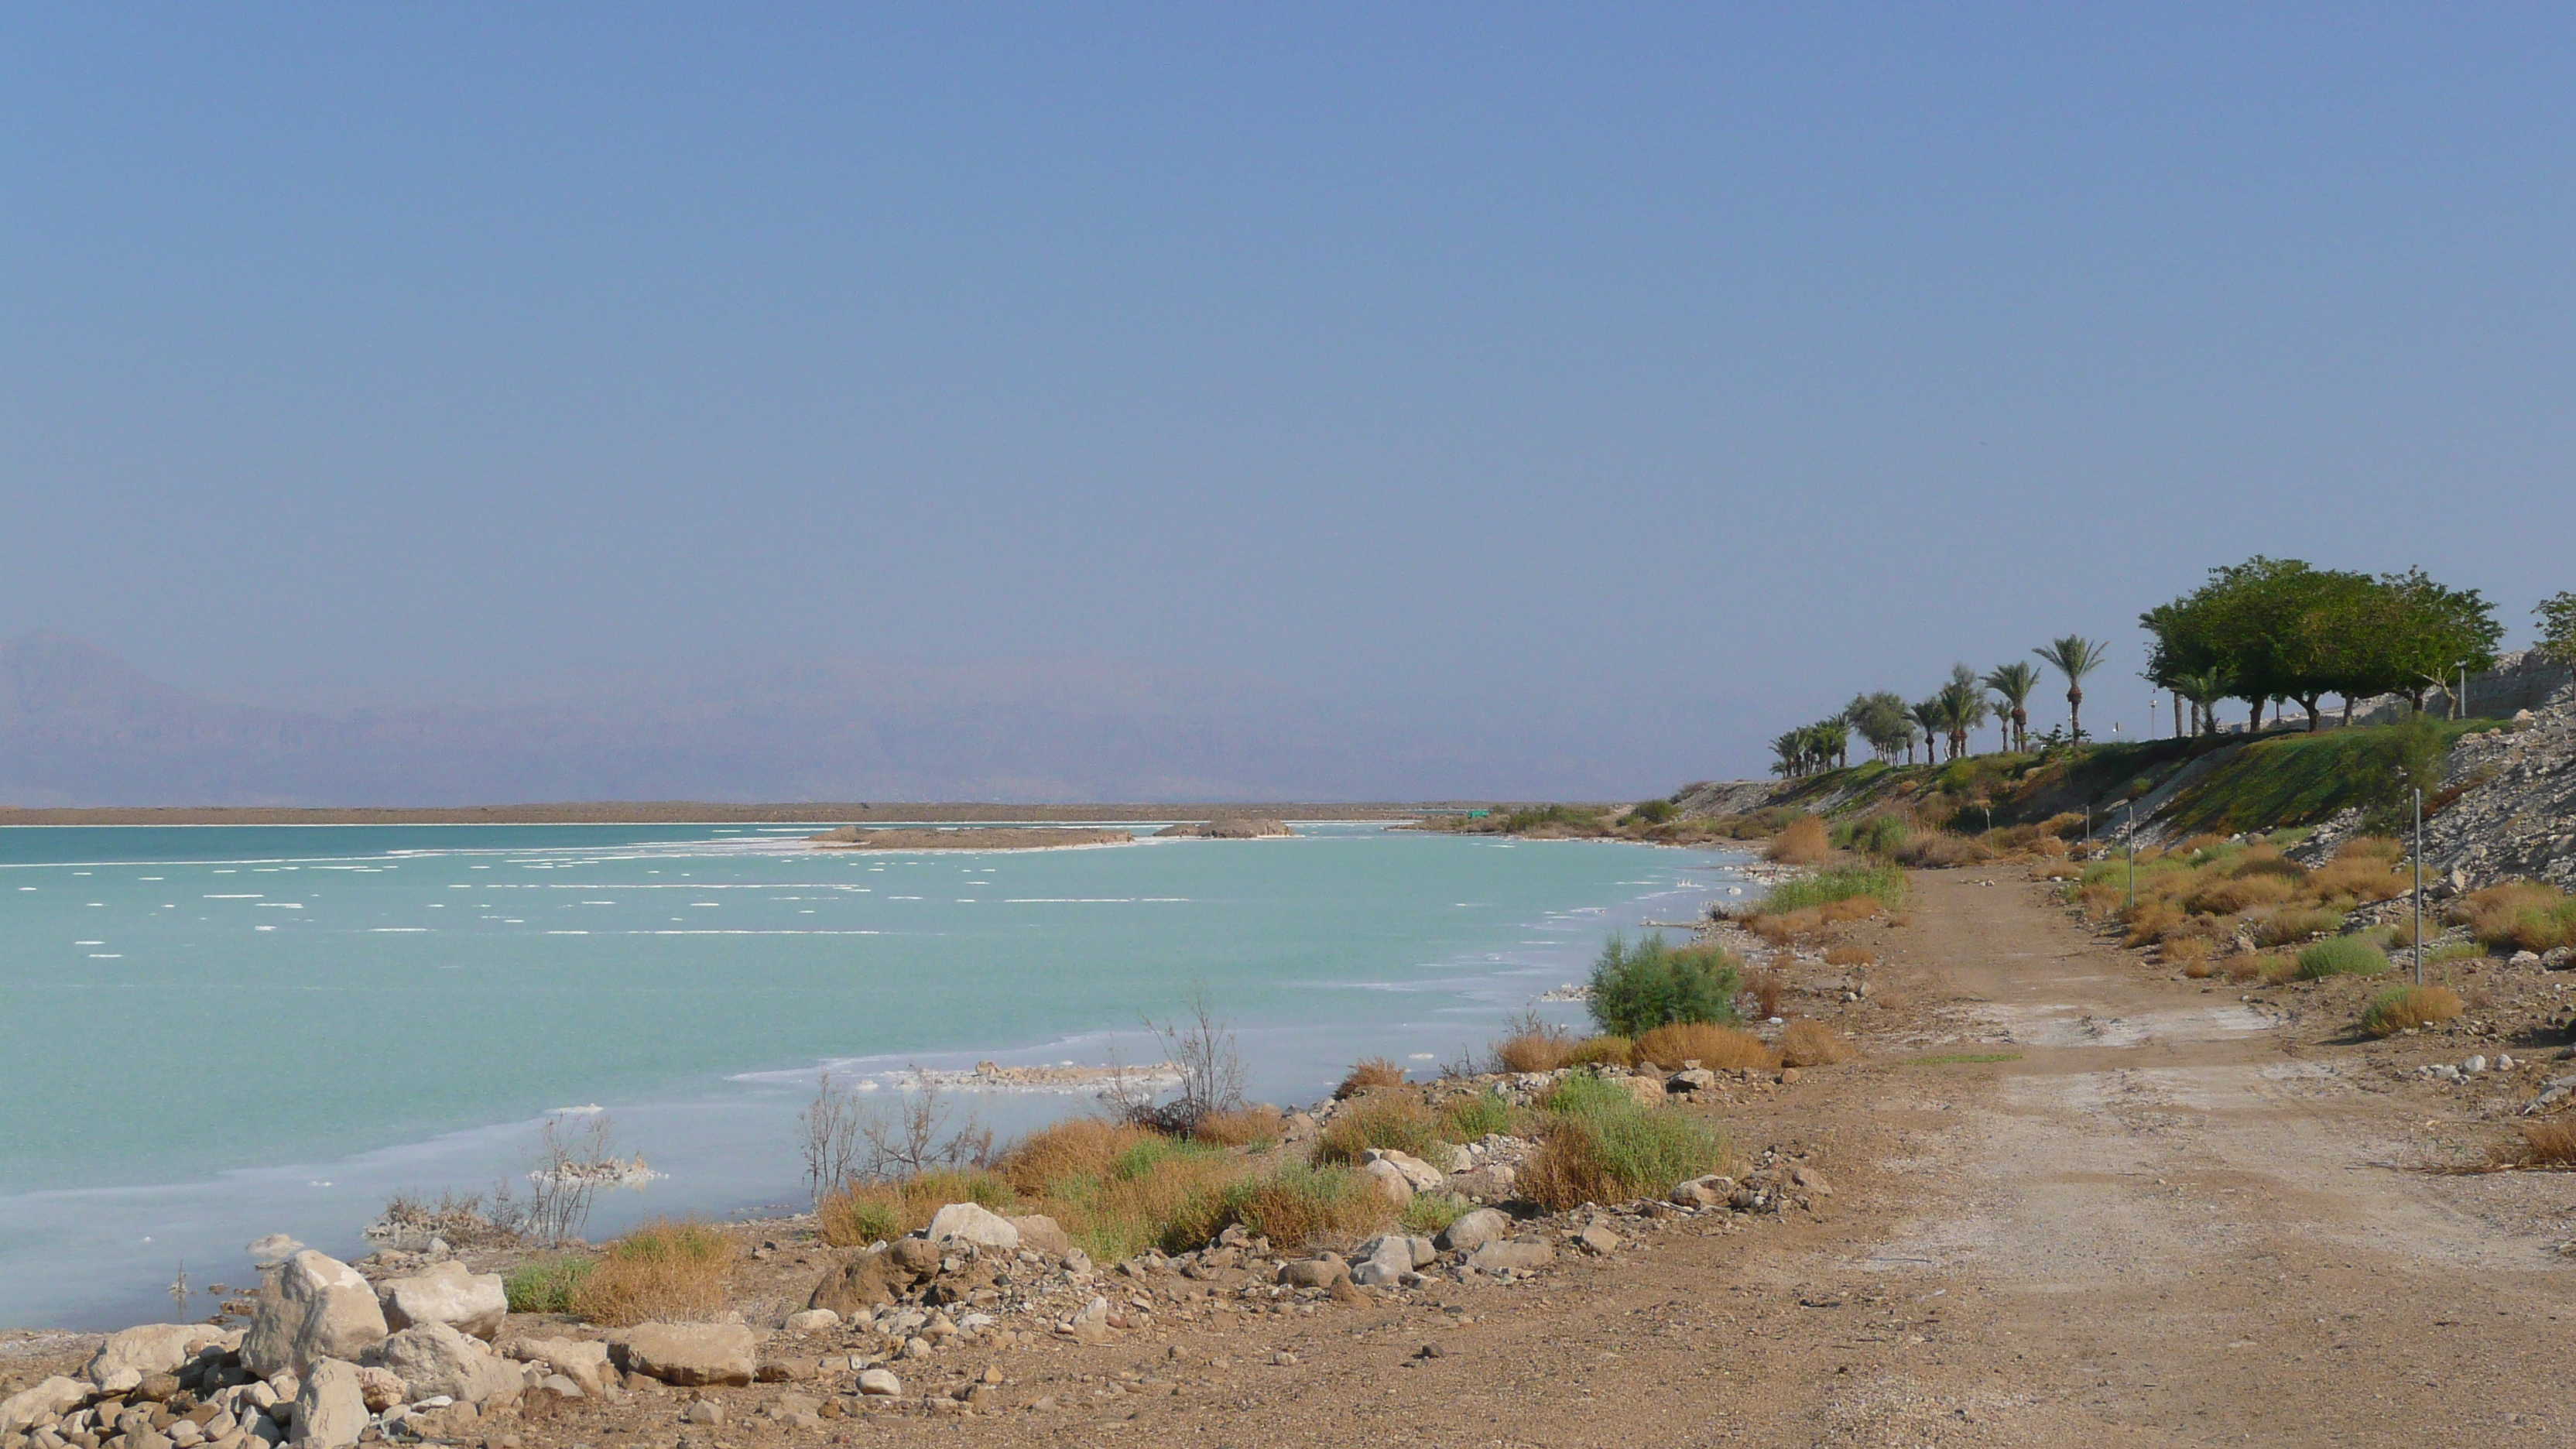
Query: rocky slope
[2517, 816]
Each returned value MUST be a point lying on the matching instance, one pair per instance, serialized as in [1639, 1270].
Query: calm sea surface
[217, 1033]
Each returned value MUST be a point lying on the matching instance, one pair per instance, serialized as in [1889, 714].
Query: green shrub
[1384, 1120]
[1432, 1212]
[1467, 1118]
[1652, 812]
[1882, 883]
[1295, 1205]
[545, 1285]
[1585, 1095]
[2402, 1007]
[1636, 989]
[1879, 835]
[1601, 1146]
[2342, 956]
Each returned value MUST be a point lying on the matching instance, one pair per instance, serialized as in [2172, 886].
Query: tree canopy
[2269, 629]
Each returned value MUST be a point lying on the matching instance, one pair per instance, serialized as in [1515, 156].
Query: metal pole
[2129, 827]
[2419, 887]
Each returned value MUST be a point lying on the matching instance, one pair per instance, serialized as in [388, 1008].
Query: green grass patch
[2290, 780]
[1430, 1213]
[545, 1285]
[2342, 956]
[1882, 883]
[1467, 1118]
[1638, 988]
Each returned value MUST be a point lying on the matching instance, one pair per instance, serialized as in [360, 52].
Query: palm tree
[1833, 742]
[1927, 716]
[1963, 707]
[1792, 751]
[2014, 682]
[2074, 656]
[2204, 688]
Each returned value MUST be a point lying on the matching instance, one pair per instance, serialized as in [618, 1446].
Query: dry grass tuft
[2518, 915]
[1077, 1147]
[2546, 1146]
[1767, 986]
[1805, 1043]
[2401, 1007]
[1602, 1051]
[1297, 1206]
[1533, 1046]
[1851, 956]
[2191, 954]
[1718, 1048]
[1397, 1120]
[1374, 1072]
[1800, 842]
[1241, 1127]
[663, 1270]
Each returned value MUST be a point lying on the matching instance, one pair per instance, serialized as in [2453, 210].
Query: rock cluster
[2517, 814]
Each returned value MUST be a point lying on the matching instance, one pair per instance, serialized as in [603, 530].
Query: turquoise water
[217, 1033]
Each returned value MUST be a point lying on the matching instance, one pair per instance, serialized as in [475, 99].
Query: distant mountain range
[81, 726]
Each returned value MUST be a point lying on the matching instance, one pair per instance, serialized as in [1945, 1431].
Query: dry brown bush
[1602, 1051]
[2241, 893]
[1241, 1127]
[2547, 1145]
[1374, 1072]
[663, 1270]
[1800, 842]
[1767, 986]
[1850, 908]
[1805, 1043]
[1851, 956]
[2290, 925]
[1718, 1048]
[1077, 1147]
[2050, 847]
[2242, 968]
[1568, 1170]
[2152, 921]
[1940, 850]
[2402, 1007]
[1789, 926]
[2191, 954]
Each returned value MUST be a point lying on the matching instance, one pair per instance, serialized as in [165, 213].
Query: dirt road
[2160, 1222]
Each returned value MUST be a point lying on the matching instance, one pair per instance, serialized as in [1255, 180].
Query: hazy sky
[1673, 372]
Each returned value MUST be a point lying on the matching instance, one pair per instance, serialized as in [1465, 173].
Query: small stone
[813, 1320]
[877, 1383]
[705, 1412]
[1597, 1238]
[2474, 1064]
[1474, 1230]
[1322, 1272]
[1516, 1255]
[968, 1222]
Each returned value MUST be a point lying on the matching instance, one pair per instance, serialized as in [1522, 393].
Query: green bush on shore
[1882, 883]
[1636, 989]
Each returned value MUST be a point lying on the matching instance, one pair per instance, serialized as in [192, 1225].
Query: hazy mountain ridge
[80, 725]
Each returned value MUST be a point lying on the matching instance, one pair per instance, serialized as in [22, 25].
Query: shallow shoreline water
[703, 1041]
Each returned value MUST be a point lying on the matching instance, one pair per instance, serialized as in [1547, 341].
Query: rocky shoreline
[420, 1346]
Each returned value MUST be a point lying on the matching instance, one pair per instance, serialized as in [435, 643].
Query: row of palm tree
[1889, 725]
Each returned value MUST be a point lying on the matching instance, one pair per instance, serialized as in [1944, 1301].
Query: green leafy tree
[2557, 615]
[2428, 632]
[2074, 656]
[2014, 682]
[1881, 720]
[1790, 750]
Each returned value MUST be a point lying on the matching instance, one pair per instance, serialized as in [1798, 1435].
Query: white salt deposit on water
[208, 1077]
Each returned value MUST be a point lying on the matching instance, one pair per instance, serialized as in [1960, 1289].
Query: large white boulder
[446, 1293]
[688, 1353]
[433, 1359]
[584, 1361]
[330, 1405]
[973, 1223]
[151, 1348]
[1474, 1230]
[1419, 1175]
[311, 1307]
[42, 1404]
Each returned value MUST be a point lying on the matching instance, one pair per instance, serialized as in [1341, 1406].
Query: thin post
[2129, 827]
[2419, 886]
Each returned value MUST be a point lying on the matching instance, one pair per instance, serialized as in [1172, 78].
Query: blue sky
[1659, 377]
